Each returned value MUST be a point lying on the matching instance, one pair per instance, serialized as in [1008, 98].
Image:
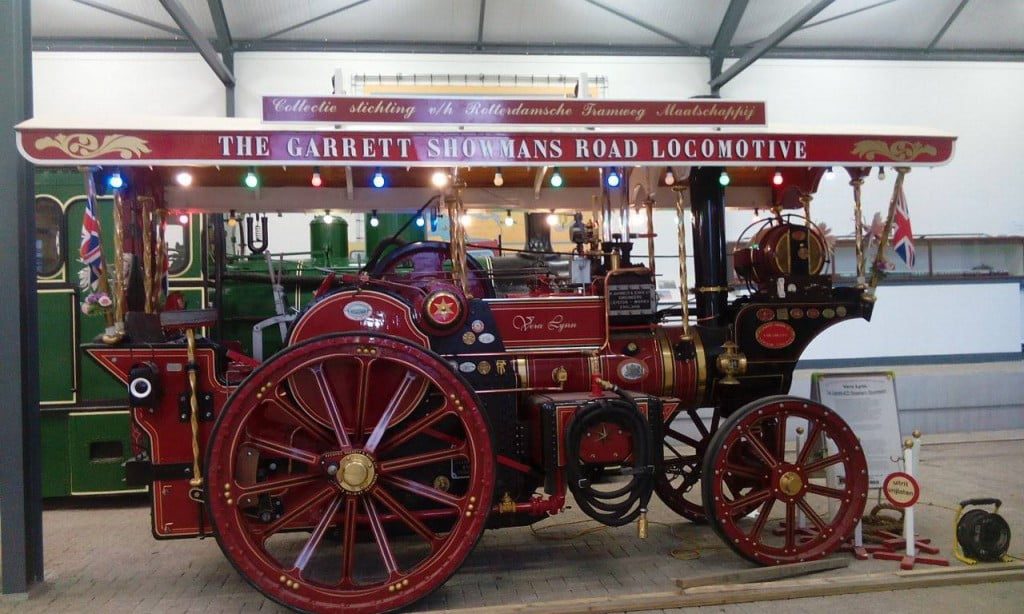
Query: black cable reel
[981, 535]
[618, 505]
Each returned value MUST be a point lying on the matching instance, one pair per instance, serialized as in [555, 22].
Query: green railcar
[85, 421]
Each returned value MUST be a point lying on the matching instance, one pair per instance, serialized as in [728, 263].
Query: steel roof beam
[469, 47]
[203, 46]
[640, 23]
[131, 17]
[842, 15]
[792, 24]
[301, 24]
[446, 47]
[220, 22]
[949, 22]
[726, 31]
[898, 54]
[480, 25]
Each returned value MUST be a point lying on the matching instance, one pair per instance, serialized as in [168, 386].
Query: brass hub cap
[356, 472]
[790, 483]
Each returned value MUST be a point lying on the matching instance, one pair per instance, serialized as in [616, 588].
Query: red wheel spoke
[381, 538]
[283, 449]
[747, 472]
[750, 500]
[690, 441]
[348, 540]
[423, 490]
[790, 524]
[810, 513]
[270, 485]
[818, 465]
[762, 519]
[301, 418]
[389, 411]
[809, 445]
[296, 509]
[419, 460]
[780, 437]
[407, 517]
[362, 393]
[413, 430]
[331, 405]
[825, 491]
[759, 448]
[318, 535]
[698, 422]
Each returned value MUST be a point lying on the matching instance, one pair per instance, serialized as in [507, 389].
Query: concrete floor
[100, 556]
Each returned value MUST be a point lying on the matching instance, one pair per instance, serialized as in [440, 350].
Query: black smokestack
[707, 197]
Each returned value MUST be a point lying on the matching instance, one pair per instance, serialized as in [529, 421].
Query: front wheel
[808, 499]
[365, 492]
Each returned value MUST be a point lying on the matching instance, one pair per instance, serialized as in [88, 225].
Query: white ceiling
[668, 26]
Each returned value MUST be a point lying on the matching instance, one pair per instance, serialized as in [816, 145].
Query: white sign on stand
[867, 402]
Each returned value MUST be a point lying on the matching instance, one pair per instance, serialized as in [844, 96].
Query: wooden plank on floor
[759, 574]
[932, 571]
[842, 585]
[750, 592]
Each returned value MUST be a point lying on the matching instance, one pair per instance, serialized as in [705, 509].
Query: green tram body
[85, 422]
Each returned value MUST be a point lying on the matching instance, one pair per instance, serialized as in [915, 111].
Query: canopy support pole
[21, 510]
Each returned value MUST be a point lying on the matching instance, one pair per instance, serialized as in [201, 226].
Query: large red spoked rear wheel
[364, 497]
[808, 498]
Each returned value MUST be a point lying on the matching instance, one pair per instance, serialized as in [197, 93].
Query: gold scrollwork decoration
[86, 146]
[897, 151]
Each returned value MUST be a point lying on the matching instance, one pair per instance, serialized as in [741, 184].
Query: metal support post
[21, 517]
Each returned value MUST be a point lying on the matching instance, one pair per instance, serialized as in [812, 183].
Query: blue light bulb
[115, 181]
[378, 180]
[613, 179]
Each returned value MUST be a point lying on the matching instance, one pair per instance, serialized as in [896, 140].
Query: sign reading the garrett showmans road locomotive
[503, 111]
[271, 146]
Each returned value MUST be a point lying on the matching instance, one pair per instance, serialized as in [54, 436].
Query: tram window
[49, 227]
[176, 237]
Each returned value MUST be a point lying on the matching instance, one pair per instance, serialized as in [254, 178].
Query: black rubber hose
[622, 505]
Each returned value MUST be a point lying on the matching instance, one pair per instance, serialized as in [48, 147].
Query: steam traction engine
[413, 408]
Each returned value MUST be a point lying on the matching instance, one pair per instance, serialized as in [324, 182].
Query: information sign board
[867, 402]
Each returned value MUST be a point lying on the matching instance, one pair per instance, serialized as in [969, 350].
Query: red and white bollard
[902, 490]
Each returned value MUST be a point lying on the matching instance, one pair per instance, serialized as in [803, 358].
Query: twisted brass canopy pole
[147, 253]
[684, 286]
[193, 384]
[858, 230]
[649, 204]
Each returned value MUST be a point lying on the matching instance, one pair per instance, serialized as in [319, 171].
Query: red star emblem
[443, 310]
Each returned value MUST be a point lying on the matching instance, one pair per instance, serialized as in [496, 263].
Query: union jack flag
[91, 250]
[902, 235]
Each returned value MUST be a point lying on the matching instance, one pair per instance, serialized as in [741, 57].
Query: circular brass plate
[356, 472]
[790, 483]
